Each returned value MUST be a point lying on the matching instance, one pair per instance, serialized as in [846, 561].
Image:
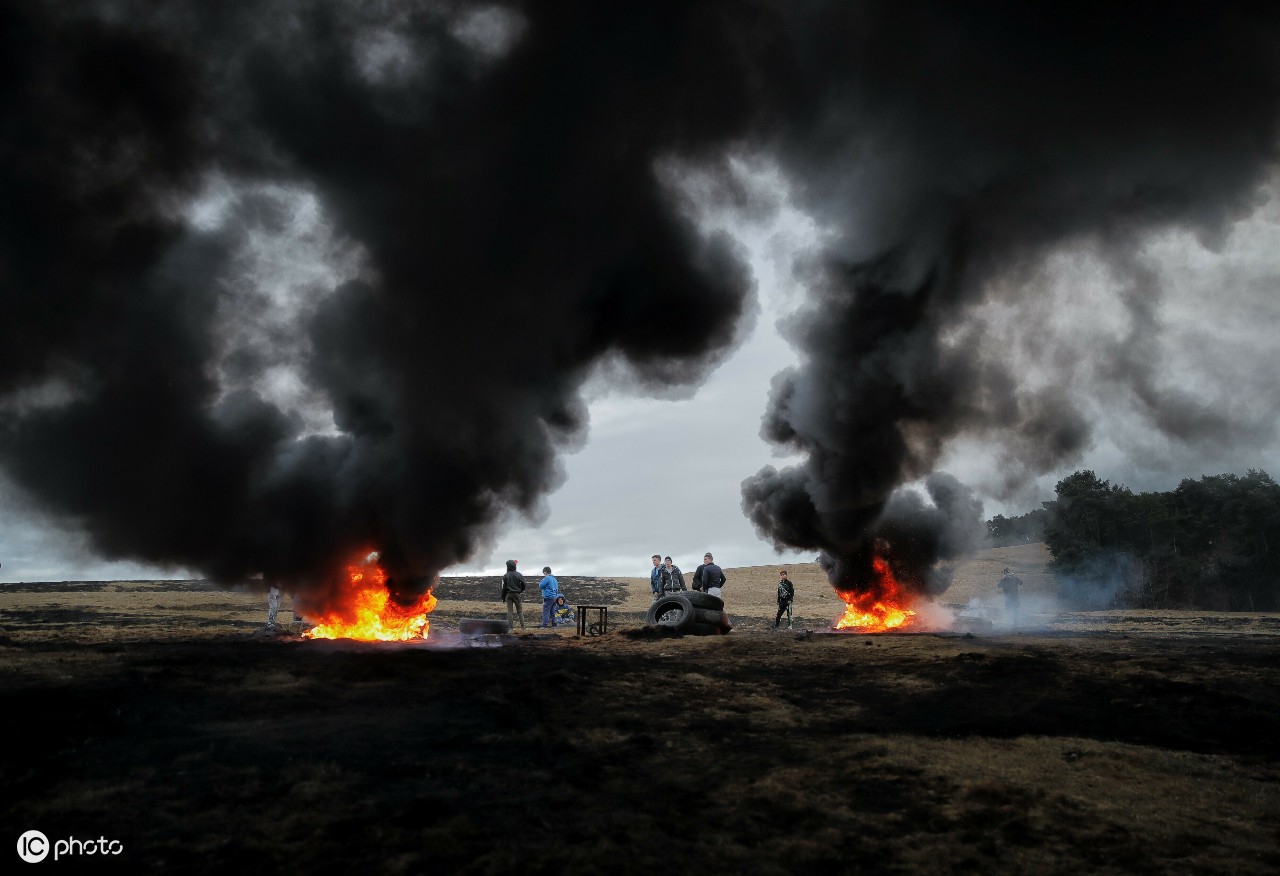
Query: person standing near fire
[674, 575]
[273, 605]
[274, 595]
[786, 595]
[659, 578]
[513, 595]
[550, 588]
[709, 576]
[1010, 583]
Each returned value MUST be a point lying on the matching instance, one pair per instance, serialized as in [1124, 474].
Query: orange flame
[884, 607]
[370, 614]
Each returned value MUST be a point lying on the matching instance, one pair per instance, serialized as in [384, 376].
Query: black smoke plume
[951, 146]
[492, 167]
[487, 194]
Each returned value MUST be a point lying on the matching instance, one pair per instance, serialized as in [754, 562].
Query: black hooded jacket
[513, 581]
[708, 575]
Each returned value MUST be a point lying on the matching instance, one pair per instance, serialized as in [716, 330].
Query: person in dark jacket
[659, 578]
[513, 595]
[1010, 584]
[675, 576]
[786, 595]
[709, 576]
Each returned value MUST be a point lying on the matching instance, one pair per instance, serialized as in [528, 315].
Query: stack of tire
[692, 613]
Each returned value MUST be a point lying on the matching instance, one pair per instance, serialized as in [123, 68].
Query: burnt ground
[211, 748]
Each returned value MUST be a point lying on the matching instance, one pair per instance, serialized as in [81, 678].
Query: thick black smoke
[494, 165]
[953, 146]
[487, 176]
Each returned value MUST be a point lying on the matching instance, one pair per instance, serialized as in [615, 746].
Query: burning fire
[879, 609]
[370, 614]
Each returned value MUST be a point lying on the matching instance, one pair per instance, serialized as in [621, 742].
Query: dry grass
[1110, 742]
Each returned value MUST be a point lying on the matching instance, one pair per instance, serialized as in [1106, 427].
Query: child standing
[786, 594]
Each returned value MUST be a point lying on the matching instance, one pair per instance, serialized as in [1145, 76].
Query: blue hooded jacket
[550, 587]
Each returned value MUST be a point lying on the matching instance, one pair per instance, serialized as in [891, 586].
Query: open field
[158, 714]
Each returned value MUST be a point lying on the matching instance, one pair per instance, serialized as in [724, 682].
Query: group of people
[555, 607]
[666, 577]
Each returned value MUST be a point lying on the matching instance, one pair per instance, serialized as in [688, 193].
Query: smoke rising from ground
[493, 221]
[957, 149]
[488, 189]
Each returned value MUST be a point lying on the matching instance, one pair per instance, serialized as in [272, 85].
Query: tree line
[1204, 545]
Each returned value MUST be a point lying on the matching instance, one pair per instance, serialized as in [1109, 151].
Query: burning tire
[701, 629]
[698, 599]
[671, 611]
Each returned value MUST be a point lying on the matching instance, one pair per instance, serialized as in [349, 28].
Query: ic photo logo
[34, 847]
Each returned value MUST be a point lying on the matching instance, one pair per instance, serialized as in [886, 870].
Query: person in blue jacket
[659, 578]
[550, 588]
[563, 614]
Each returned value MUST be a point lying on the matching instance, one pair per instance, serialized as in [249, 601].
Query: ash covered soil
[160, 715]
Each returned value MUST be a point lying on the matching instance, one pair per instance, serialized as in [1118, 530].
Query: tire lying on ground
[470, 626]
[673, 611]
[698, 599]
[695, 614]
[712, 616]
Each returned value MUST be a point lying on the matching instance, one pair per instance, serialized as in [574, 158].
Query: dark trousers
[515, 609]
[783, 608]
